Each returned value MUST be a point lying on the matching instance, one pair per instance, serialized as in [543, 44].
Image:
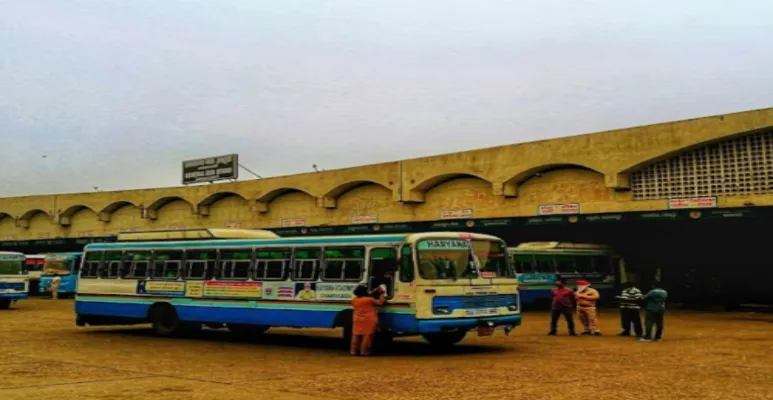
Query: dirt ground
[43, 355]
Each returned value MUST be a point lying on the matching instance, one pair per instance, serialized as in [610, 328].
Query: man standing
[563, 301]
[55, 282]
[586, 308]
[629, 310]
[655, 310]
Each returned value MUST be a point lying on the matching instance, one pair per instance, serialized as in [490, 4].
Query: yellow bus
[441, 285]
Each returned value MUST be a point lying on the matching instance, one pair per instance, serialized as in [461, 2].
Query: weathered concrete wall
[496, 182]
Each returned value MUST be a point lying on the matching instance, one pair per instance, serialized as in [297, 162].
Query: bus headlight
[441, 310]
[512, 307]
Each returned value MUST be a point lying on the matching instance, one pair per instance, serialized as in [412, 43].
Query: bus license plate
[481, 312]
[485, 330]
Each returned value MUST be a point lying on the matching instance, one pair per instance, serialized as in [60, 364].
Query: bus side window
[565, 263]
[200, 264]
[383, 266]
[306, 264]
[407, 273]
[584, 264]
[235, 264]
[136, 263]
[111, 268]
[544, 263]
[523, 263]
[603, 265]
[343, 264]
[91, 265]
[167, 264]
[76, 268]
[272, 264]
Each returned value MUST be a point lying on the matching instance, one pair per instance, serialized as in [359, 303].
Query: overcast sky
[117, 93]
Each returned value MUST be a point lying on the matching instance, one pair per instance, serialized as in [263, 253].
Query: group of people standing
[585, 298]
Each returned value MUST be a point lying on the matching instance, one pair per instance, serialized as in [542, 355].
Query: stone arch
[7, 226]
[65, 217]
[330, 199]
[107, 212]
[510, 186]
[151, 211]
[24, 220]
[5, 215]
[460, 197]
[262, 202]
[203, 207]
[418, 193]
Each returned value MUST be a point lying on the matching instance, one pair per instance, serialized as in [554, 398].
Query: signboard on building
[211, 169]
[456, 214]
[693, 202]
[364, 219]
[293, 222]
[558, 209]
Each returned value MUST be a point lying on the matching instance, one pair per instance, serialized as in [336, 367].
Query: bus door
[382, 269]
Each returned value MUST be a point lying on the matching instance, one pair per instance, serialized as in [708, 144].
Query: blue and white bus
[14, 284]
[538, 264]
[66, 266]
[440, 285]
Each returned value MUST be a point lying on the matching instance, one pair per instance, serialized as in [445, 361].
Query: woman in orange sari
[365, 319]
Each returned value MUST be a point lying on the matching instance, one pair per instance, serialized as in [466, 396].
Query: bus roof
[195, 234]
[560, 246]
[318, 240]
[11, 253]
[64, 254]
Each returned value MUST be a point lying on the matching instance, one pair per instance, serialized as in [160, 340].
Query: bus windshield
[453, 259]
[56, 266]
[10, 266]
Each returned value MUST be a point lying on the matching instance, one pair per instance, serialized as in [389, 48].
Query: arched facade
[728, 157]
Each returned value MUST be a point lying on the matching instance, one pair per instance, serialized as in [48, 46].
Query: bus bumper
[508, 322]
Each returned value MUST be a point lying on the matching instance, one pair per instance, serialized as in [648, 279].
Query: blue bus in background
[539, 264]
[67, 266]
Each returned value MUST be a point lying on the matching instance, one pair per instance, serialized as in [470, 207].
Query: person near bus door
[365, 318]
[586, 308]
[629, 310]
[55, 282]
[563, 303]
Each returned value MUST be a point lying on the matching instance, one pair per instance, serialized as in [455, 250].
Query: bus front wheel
[445, 339]
[5, 304]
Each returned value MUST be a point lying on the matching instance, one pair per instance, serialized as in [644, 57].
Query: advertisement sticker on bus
[165, 288]
[232, 289]
[335, 291]
[278, 291]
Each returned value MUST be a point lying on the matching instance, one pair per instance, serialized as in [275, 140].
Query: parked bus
[538, 264]
[440, 285]
[14, 284]
[66, 266]
[33, 267]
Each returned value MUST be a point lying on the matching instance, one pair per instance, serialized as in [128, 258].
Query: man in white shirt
[55, 281]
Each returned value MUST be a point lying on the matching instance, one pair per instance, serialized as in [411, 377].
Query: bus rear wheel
[445, 339]
[247, 331]
[165, 321]
[5, 304]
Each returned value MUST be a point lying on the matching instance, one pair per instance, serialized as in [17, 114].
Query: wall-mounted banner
[232, 289]
[211, 169]
[694, 202]
[233, 224]
[456, 214]
[293, 222]
[558, 209]
[364, 219]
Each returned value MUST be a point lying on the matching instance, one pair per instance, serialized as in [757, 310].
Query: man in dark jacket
[563, 304]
